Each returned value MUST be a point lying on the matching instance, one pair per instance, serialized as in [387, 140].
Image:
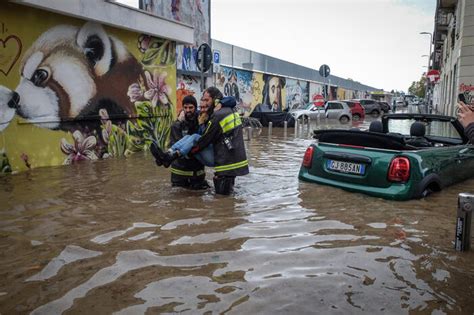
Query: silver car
[331, 110]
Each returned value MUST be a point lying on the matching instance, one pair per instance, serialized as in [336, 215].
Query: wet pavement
[113, 236]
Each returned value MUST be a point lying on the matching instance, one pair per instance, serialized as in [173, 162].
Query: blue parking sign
[217, 57]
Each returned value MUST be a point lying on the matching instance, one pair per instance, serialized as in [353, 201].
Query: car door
[333, 110]
[315, 112]
[465, 161]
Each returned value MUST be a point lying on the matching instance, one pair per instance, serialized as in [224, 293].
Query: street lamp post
[428, 70]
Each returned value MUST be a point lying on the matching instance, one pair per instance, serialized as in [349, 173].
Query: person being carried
[183, 147]
[185, 172]
[224, 132]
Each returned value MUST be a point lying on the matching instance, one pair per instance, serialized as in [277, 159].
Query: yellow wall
[27, 143]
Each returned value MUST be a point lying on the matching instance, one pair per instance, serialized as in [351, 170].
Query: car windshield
[433, 128]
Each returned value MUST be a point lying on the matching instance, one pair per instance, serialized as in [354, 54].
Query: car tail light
[399, 170]
[308, 157]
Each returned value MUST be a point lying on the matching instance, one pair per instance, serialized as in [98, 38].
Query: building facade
[453, 55]
[92, 79]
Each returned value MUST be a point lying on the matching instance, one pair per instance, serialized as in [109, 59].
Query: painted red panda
[70, 73]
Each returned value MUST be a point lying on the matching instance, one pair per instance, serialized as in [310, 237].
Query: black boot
[165, 158]
[154, 149]
[224, 185]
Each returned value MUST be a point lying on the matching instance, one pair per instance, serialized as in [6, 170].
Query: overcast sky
[375, 42]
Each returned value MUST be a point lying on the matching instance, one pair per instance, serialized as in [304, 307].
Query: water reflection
[115, 237]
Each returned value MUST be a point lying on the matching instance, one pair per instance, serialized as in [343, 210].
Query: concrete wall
[87, 90]
[457, 71]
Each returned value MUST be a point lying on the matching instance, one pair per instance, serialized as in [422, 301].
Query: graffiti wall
[192, 12]
[239, 84]
[73, 90]
[341, 93]
[316, 90]
[297, 93]
[187, 85]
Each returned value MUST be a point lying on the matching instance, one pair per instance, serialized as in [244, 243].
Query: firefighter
[224, 132]
[186, 172]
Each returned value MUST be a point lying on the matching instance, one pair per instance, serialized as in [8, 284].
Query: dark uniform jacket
[225, 126]
[469, 132]
[185, 169]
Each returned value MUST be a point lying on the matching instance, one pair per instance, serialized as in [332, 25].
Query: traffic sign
[204, 57]
[217, 57]
[318, 100]
[324, 71]
[433, 76]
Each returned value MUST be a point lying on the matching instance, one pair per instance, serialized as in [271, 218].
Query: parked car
[331, 110]
[371, 107]
[357, 111]
[392, 163]
[384, 106]
[401, 104]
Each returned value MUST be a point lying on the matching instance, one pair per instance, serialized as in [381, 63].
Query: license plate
[346, 167]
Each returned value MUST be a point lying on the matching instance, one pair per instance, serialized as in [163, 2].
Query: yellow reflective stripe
[187, 173]
[182, 173]
[234, 166]
[230, 122]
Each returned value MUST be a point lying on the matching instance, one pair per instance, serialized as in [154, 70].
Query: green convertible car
[402, 157]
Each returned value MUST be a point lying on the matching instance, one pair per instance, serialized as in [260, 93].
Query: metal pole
[309, 126]
[201, 52]
[462, 242]
[428, 69]
[270, 126]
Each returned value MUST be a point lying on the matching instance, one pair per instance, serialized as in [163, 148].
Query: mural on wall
[468, 91]
[79, 90]
[273, 94]
[239, 84]
[316, 91]
[192, 12]
[341, 93]
[297, 93]
[186, 85]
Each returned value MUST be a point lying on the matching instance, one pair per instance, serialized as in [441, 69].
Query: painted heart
[10, 51]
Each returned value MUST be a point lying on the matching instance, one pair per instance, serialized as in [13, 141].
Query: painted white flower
[82, 149]
[158, 89]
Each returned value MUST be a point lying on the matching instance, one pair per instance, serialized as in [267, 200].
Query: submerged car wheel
[356, 117]
[344, 119]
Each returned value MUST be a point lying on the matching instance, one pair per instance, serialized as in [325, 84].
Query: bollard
[285, 125]
[270, 126]
[250, 133]
[309, 127]
[296, 127]
[462, 242]
[249, 129]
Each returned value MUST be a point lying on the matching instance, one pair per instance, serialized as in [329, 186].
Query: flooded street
[113, 236]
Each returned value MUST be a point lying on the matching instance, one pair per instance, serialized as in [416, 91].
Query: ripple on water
[116, 237]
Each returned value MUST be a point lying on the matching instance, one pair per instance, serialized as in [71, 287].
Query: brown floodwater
[113, 236]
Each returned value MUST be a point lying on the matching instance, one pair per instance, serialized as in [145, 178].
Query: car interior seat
[376, 126]
[417, 132]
